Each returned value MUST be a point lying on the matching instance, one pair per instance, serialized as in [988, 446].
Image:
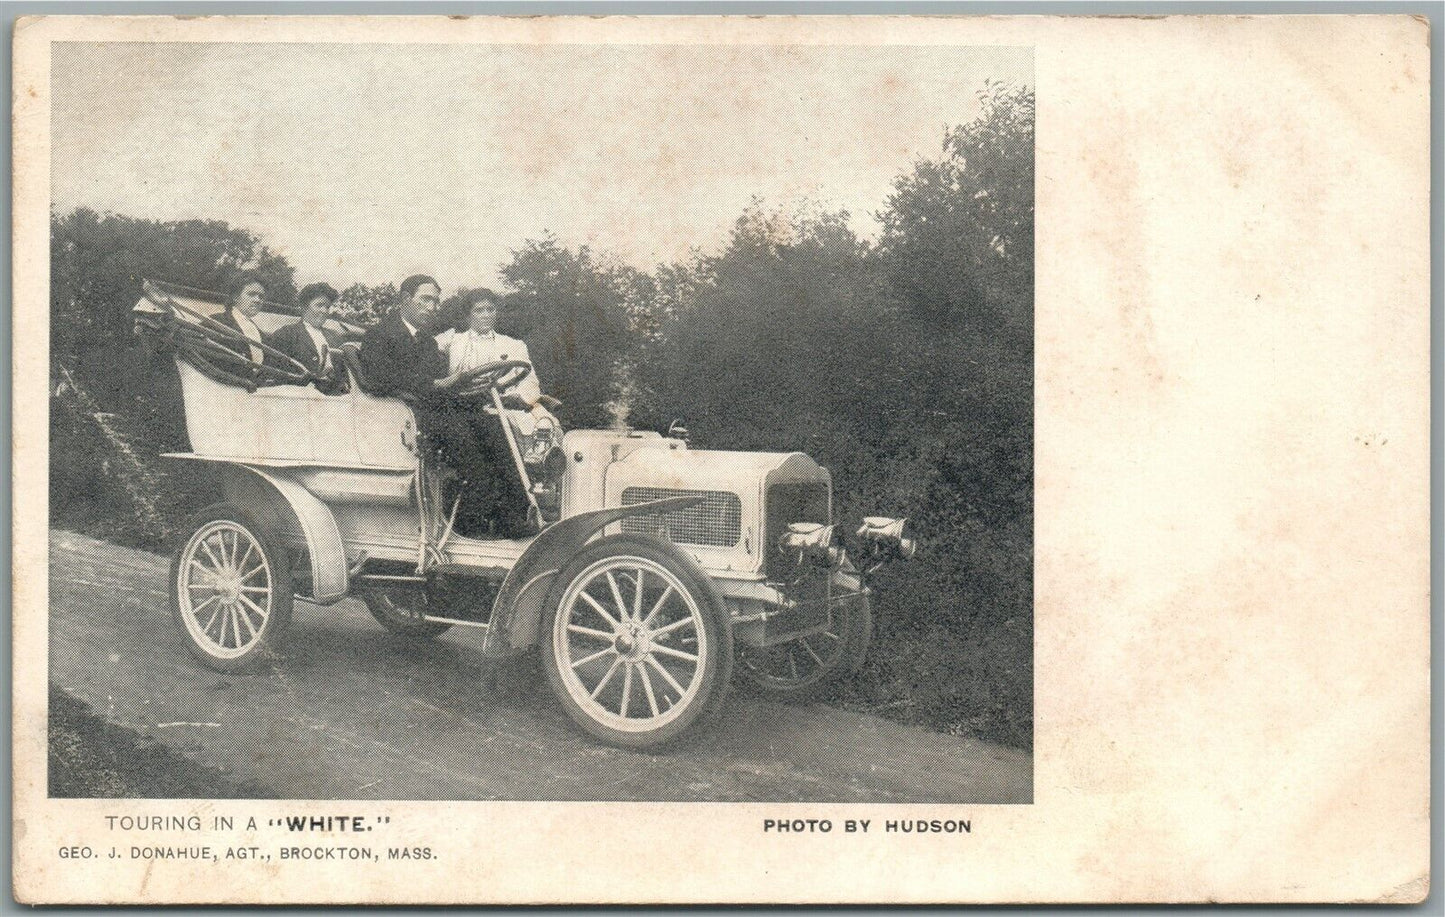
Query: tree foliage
[97, 262]
[957, 241]
[576, 313]
[364, 305]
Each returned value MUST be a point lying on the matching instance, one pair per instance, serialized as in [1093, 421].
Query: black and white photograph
[579, 423]
[661, 460]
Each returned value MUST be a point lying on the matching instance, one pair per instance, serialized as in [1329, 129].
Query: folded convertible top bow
[200, 341]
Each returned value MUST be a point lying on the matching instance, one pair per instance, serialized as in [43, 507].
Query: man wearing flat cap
[308, 343]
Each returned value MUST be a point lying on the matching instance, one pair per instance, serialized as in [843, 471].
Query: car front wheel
[806, 667]
[639, 646]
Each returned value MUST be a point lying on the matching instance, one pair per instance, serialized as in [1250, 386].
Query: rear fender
[517, 612]
[287, 506]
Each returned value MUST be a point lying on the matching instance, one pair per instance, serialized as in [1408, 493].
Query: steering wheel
[501, 374]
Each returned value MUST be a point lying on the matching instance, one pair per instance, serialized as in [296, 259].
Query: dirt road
[349, 712]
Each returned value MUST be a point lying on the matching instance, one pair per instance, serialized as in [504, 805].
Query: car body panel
[516, 616]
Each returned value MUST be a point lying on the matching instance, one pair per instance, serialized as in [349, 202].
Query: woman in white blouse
[480, 344]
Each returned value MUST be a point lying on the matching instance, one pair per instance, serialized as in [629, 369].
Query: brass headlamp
[811, 539]
[888, 535]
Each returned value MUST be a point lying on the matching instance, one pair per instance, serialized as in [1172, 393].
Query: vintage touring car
[655, 566]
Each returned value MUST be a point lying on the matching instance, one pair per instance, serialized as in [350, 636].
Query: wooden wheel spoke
[612, 670]
[667, 676]
[597, 607]
[637, 598]
[657, 606]
[242, 615]
[259, 568]
[816, 657]
[222, 624]
[258, 609]
[250, 545]
[676, 654]
[211, 620]
[626, 690]
[196, 610]
[586, 659]
[590, 632]
[647, 689]
[617, 596]
[669, 628]
[216, 564]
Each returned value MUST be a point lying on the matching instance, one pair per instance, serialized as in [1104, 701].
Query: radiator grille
[717, 521]
[798, 501]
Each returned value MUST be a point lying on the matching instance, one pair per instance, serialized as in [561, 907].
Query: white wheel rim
[630, 644]
[225, 589]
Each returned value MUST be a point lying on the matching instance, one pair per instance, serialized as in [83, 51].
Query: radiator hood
[729, 530]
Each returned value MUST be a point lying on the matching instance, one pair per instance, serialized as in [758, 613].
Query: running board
[473, 570]
[433, 619]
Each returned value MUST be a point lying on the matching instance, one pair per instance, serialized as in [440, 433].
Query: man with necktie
[400, 358]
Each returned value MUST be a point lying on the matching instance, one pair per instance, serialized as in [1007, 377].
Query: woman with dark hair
[308, 342]
[481, 344]
[246, 295]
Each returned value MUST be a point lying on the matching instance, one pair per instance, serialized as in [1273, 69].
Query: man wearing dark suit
[400, 358]
[307, 341]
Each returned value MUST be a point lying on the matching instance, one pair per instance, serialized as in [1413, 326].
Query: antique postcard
[721, 459]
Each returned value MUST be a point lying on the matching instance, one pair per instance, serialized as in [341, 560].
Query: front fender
[517, 612]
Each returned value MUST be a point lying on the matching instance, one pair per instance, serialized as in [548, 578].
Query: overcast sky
[370, 162]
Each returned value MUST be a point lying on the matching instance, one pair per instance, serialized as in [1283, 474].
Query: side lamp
[888, 536]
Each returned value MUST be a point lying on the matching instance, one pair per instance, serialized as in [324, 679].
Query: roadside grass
[90, 758]
[976, 684]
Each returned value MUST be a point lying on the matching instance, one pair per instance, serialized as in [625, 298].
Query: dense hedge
[904, 365]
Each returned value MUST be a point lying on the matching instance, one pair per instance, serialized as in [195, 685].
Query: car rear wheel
[231, 589]
[639, 646]
[398, 611]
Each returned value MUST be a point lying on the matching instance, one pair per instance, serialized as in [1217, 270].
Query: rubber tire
[282, 589]
[717, 671]
[857, 634]
[413, 630]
